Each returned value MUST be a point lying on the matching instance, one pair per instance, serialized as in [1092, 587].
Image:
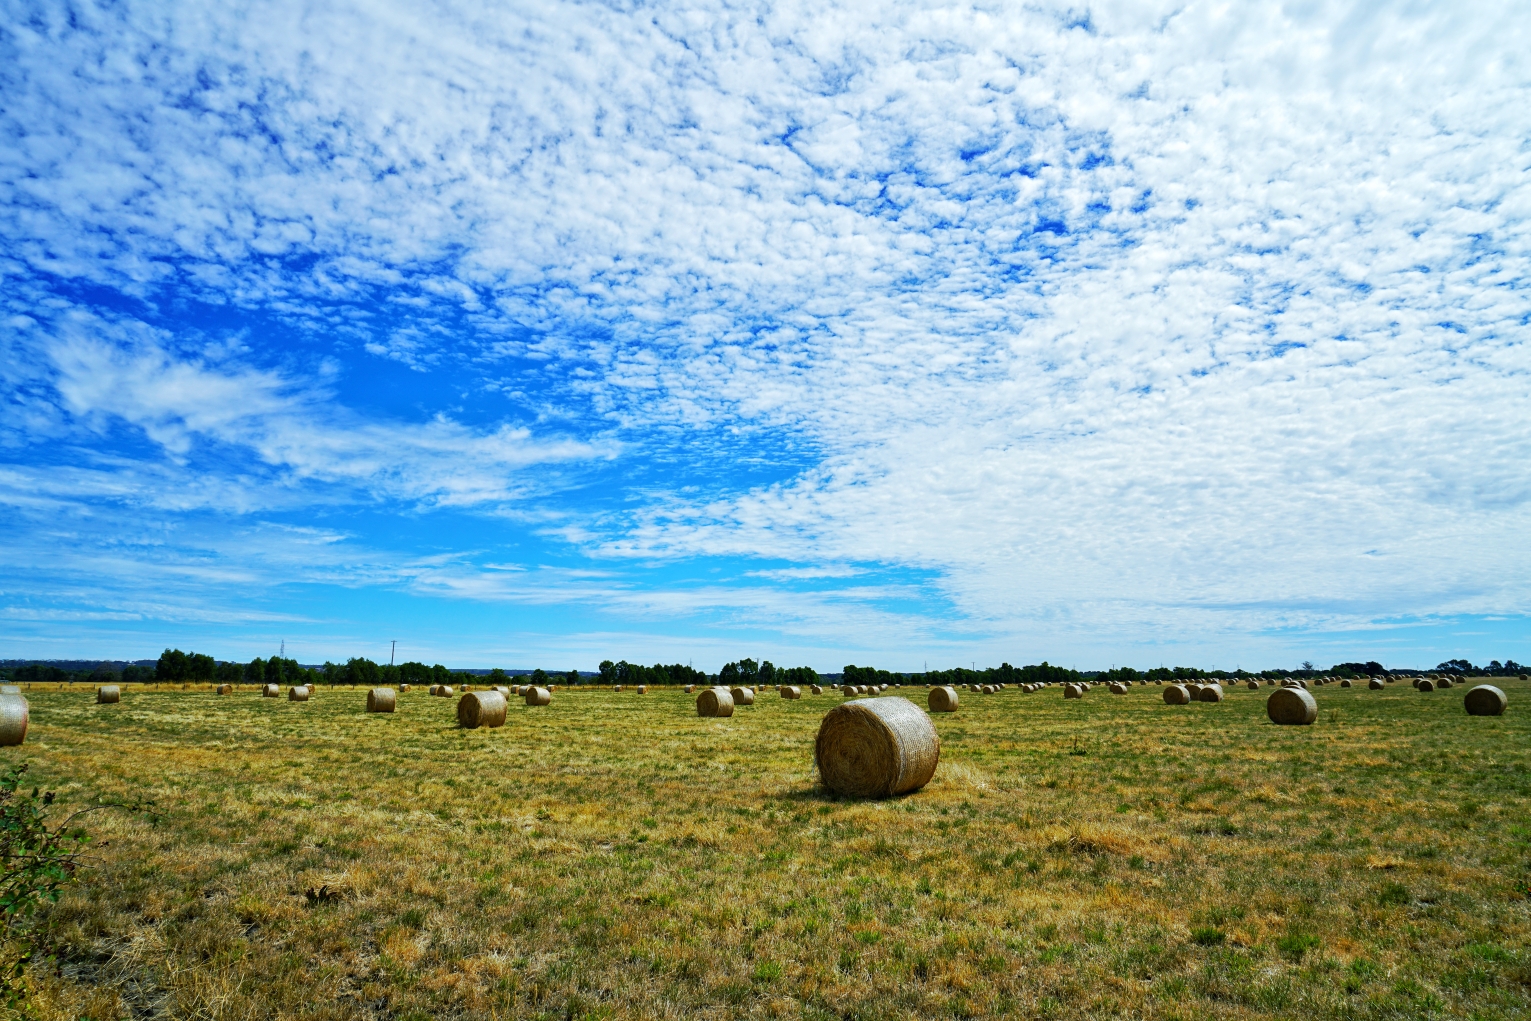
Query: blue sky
[899, 334]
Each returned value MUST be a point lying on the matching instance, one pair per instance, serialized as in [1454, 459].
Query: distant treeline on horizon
[177, 667]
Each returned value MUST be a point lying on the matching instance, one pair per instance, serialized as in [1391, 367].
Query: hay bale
[1426, 686]
[816, 689]
[715, 702]
[538, 696]
[10, 689]
[403, 688]
[987, 689]
[1444, 682]
[298, 693]
[271, 691]
[1252, 685]
[15, 713]
[616, 687]
[1177, 694]
[481, 709]
[225, 689]
[1210, 693]
[1345, 683]
[791, 691]
[1485, 700]
[1375, 685]
[877, 748]
[1073, 691]
[643, 689]
[1291, 707]
[108, 694]
[381, 700]
[690, 688]
[743, 696]
[943, 700]
[1118, 688]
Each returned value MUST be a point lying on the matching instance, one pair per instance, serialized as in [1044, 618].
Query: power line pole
[392, 646]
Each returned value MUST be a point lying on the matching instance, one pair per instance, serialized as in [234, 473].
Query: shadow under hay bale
[1486, 700]
[715, 702]
[1291, 707]
[381, 700]
[481, 709]
[877, 748]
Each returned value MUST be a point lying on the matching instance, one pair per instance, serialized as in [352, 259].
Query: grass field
[614, 856]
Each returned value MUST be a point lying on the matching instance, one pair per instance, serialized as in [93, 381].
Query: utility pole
[283, 653]
[392, 646]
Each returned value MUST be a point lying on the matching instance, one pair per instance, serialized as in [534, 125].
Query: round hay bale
[715, 702]
[690, 689]
[877, 748]
[10, 689]
[1426, 686]
[270, 691]
[743, 696]
[791, 691]
[987, 689]
[1485, 700]
[1345, 683]
[1252, 685]
[14, 716]
[403, 688]
[481, 709]
[108, 694]
[381, 700]
[1073, 691]
[1210, 693]
[502, 690]
[1118, 688]
[1291, 707]
[538, 696]
[1177, 694]
[616, 687]
[643, 689]
[943, 700]
[1375, 685]
[298, 693]
[815, 689]
[225, 689]
[1444, 682]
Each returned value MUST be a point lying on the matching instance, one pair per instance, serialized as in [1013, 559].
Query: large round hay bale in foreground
[791, 691]
[876, 748]
[1291, 707]
[14, 715]
[225, 689]
[943, 700]
[271, 691]
[715, 702]
[1426, 686]
[742, 696]
[1485, 700]
[1177, 694]
[538, 696]
[381, 700]
[1210, 693]
[481, 709]
[298, 693]
[107, 694]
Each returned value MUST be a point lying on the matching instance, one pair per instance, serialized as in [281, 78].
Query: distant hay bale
[791, 691]
[1426, 686]
[1444, 682]
[1252, 685]
[1177, 694]
[1485, 700]
[271, 691]
[643, 689]
[715, 702]
[403, 688]
[381, 700]
[107, 694]
[616, 687]
[1375, 685]
[987, 689]
[1118, 688]
[298, 693]
[481, 709]
[816, 689]
[1073, 691]
[1345, 683]
[743, 696]
[538, 696]
[502, 690]
[14, 715]
[1291, 707]
[943, 700]
[225, 689]
[690, 688]
[877, 748]
[1210, 693]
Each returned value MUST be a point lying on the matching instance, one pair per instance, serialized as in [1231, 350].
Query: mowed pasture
[614, 856]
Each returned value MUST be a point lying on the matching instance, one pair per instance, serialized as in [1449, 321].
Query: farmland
[614, 856]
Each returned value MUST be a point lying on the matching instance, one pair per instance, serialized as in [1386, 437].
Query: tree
[230, 673]
[255, 671]
[540, 677]
[363, 672]
[171, 667]
[498, 677]
[767, 673]
[608, 671]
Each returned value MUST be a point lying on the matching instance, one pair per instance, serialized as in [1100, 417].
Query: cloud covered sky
[1133, 333]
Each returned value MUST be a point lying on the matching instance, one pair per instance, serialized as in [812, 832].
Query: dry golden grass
[616, 856]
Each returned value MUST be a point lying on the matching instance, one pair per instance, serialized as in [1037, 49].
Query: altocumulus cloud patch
[909, 329]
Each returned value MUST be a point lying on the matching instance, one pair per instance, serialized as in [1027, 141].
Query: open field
[615, 856]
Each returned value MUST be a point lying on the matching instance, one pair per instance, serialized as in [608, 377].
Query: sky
[895, 334]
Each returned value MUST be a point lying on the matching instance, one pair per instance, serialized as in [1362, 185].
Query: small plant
[1393, 893]
[1296, 944]
[1207, 936]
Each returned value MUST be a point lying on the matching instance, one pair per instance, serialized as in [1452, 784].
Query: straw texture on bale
[481, 709]
[742, 696]
[816, 689]
[1291, 707]
[1485, 700]
[538, 696]
[690, 689]
[1073, 691]
[1117, 688]
[1345, 683]
[381, 700]
[1210, 693]
[270, 691]
[1375, 685]
[225, 689]
[298, 693]
[877, 748]
[715, 702]
[791, 691]
[1252, 685]
[14, 715]
[1444, 682]
[1177, 694]
[10, 689]
[1426, 686]
[108, 693]
[943, 700]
